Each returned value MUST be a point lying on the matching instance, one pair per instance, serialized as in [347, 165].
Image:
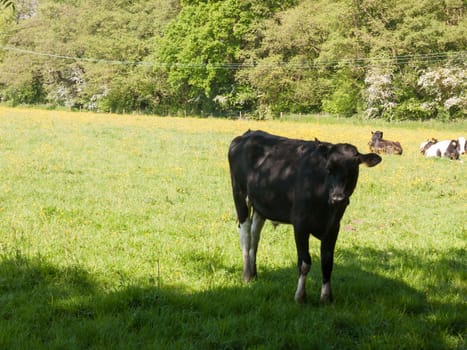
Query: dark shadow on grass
[43, 306]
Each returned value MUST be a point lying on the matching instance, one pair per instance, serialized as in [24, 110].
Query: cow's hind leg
[256, 227]
[250, 232]
[244, 230]
[243, 208]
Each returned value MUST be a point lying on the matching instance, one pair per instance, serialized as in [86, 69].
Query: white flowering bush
[436, 92]
[445, 88]
[379, 95]
[66, 86]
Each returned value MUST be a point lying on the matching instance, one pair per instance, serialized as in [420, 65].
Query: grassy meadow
[119, 232]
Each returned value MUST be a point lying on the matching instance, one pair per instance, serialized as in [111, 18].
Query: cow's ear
[323, 150]
[370, 159]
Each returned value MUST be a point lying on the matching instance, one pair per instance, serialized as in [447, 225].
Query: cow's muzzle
[337, 198]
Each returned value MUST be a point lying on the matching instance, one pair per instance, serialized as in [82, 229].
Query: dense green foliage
[393, 59]
[120, 232]
[88, 55]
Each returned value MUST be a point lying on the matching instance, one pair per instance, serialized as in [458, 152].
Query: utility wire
[374, 61]
[74, 58]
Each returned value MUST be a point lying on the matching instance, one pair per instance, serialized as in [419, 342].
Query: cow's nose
[337, 198]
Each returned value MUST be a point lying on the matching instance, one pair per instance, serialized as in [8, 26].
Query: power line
[374, 61]
[74, 58]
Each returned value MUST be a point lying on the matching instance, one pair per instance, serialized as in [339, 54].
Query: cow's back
[257, 149]
[264, 167]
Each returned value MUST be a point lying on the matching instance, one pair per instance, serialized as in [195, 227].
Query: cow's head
[376, 135]
[342, 167]
[427, 144]
[452, 151]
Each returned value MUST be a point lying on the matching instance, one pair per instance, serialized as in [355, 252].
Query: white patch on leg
[300, 294]
[326, 293]
[244, 231]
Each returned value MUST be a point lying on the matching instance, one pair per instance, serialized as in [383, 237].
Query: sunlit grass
[120, 232]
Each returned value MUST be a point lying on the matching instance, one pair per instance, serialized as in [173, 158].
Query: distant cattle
[427, 144]
[462, 145]
[381, 146]
[446, 148]
[303, 183]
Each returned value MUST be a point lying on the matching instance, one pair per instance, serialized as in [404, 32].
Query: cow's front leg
[300, 293]
[256, 227]
[304, 264]
[244, 230]
[327, 261]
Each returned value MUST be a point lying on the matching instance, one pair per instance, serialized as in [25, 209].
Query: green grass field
[119, 232]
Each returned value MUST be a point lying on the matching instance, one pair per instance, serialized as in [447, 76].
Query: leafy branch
[7, 3]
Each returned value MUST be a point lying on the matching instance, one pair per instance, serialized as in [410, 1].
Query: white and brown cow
[447, 148]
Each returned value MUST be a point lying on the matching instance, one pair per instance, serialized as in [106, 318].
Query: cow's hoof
[326, 293]
[300, 298]
[326, 298]
[248, 277]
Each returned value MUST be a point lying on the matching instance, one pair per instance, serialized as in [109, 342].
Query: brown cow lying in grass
[379, 145]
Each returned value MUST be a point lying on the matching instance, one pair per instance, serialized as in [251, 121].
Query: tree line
[395, 59]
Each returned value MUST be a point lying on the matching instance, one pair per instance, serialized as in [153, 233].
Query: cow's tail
[242, 205]
[239, 192]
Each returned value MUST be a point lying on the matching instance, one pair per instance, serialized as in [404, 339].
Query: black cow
[303, 183]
